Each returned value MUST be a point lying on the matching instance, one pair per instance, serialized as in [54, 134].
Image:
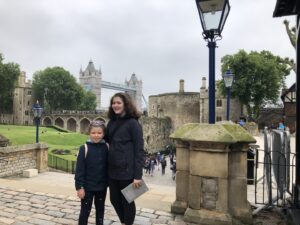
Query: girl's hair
[97, 123]
[129, 106]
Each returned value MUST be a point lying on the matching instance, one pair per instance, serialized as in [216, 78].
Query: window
[219, 118]
[219, 103]
[26, 112]
[29, 93]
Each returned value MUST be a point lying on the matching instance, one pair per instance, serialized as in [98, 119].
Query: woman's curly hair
[129, 106]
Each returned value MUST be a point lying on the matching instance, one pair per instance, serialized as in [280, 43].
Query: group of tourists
[152, 161]
[112, 157]
[159, 160]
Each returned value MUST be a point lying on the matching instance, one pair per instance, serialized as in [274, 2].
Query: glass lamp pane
[212, 12]
[228, 78]
[35, 112]
[39, 112]
[211, 21]
[226, 12]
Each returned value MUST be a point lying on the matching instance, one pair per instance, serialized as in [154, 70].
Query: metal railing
[274, 170]
[61, 164]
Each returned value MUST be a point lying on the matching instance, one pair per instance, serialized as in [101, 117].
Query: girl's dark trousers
[124, 210]
[86, 206]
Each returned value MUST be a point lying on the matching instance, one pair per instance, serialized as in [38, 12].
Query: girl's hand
[81, 193]
[137, 183]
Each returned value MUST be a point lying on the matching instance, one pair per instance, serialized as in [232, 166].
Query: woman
[125, 158]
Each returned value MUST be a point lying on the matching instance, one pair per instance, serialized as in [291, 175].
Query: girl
[126, 153]
[91, 178]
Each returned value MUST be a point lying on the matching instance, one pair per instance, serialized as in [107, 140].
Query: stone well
[211, 178]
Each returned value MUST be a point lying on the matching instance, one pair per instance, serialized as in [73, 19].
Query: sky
[158, 40]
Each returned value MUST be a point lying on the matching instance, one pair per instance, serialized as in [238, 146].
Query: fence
[61, 164]
[274, 170]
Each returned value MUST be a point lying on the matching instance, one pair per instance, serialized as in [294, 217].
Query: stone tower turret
[138, 85]
[90, 79]
[22, 102]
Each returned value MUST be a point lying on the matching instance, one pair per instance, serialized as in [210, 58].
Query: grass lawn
[19, 135]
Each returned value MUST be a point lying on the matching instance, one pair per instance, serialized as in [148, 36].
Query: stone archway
[47, 121]
[71, 124]
[84, 125]
[59, 122]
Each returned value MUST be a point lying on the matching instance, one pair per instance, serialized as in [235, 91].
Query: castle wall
[182, 108]
[221, 107]
[23, 102]
[156, 133]
[6, 118]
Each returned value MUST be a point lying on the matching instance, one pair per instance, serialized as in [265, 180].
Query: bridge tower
[90, 79]
[137, 94]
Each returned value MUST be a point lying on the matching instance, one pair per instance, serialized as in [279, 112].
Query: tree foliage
[258, 78]
[9, 73]
[88, 101]
[58, 90]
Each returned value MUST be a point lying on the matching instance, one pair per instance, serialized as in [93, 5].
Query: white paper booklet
[130, 193]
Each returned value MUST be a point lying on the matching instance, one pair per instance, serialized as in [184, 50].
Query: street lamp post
[228, 79]
[37, 113]
[213, 14]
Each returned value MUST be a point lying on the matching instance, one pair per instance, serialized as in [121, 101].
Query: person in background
[91, 178]
[281, 126]
[158, 160]
[173, 168]
[163, 165]
[152, 165]
[126, 153]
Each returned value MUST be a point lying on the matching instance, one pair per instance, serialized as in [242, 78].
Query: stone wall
[221, 107]
[6, 118]
[15, 159]
[156, 133]
[181, 107]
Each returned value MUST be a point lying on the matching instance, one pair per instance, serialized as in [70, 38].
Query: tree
[9, 73]
[258, 78]
[291, 32]
[58, 88]
[88, 101]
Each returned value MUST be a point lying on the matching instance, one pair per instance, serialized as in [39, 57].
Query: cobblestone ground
[20, 207]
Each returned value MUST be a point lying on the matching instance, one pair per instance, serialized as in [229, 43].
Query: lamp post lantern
[213, 14]
[228, 79]
[37, 114]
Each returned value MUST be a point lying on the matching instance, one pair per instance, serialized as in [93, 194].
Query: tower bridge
[91, 80]
[118, 87]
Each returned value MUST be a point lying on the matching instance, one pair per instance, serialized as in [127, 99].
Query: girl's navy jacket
[91, 170]
[126, 148]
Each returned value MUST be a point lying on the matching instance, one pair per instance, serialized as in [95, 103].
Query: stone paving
[22, 207]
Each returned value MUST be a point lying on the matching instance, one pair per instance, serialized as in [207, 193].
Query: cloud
[161, 41]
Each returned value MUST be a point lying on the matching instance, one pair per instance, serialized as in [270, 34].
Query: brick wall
[15, 159]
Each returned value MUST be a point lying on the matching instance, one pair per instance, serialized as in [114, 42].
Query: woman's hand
[81, 193]
[137, 183]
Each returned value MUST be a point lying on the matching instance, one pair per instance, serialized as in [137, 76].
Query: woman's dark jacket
[91, 170]
[126, 149]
